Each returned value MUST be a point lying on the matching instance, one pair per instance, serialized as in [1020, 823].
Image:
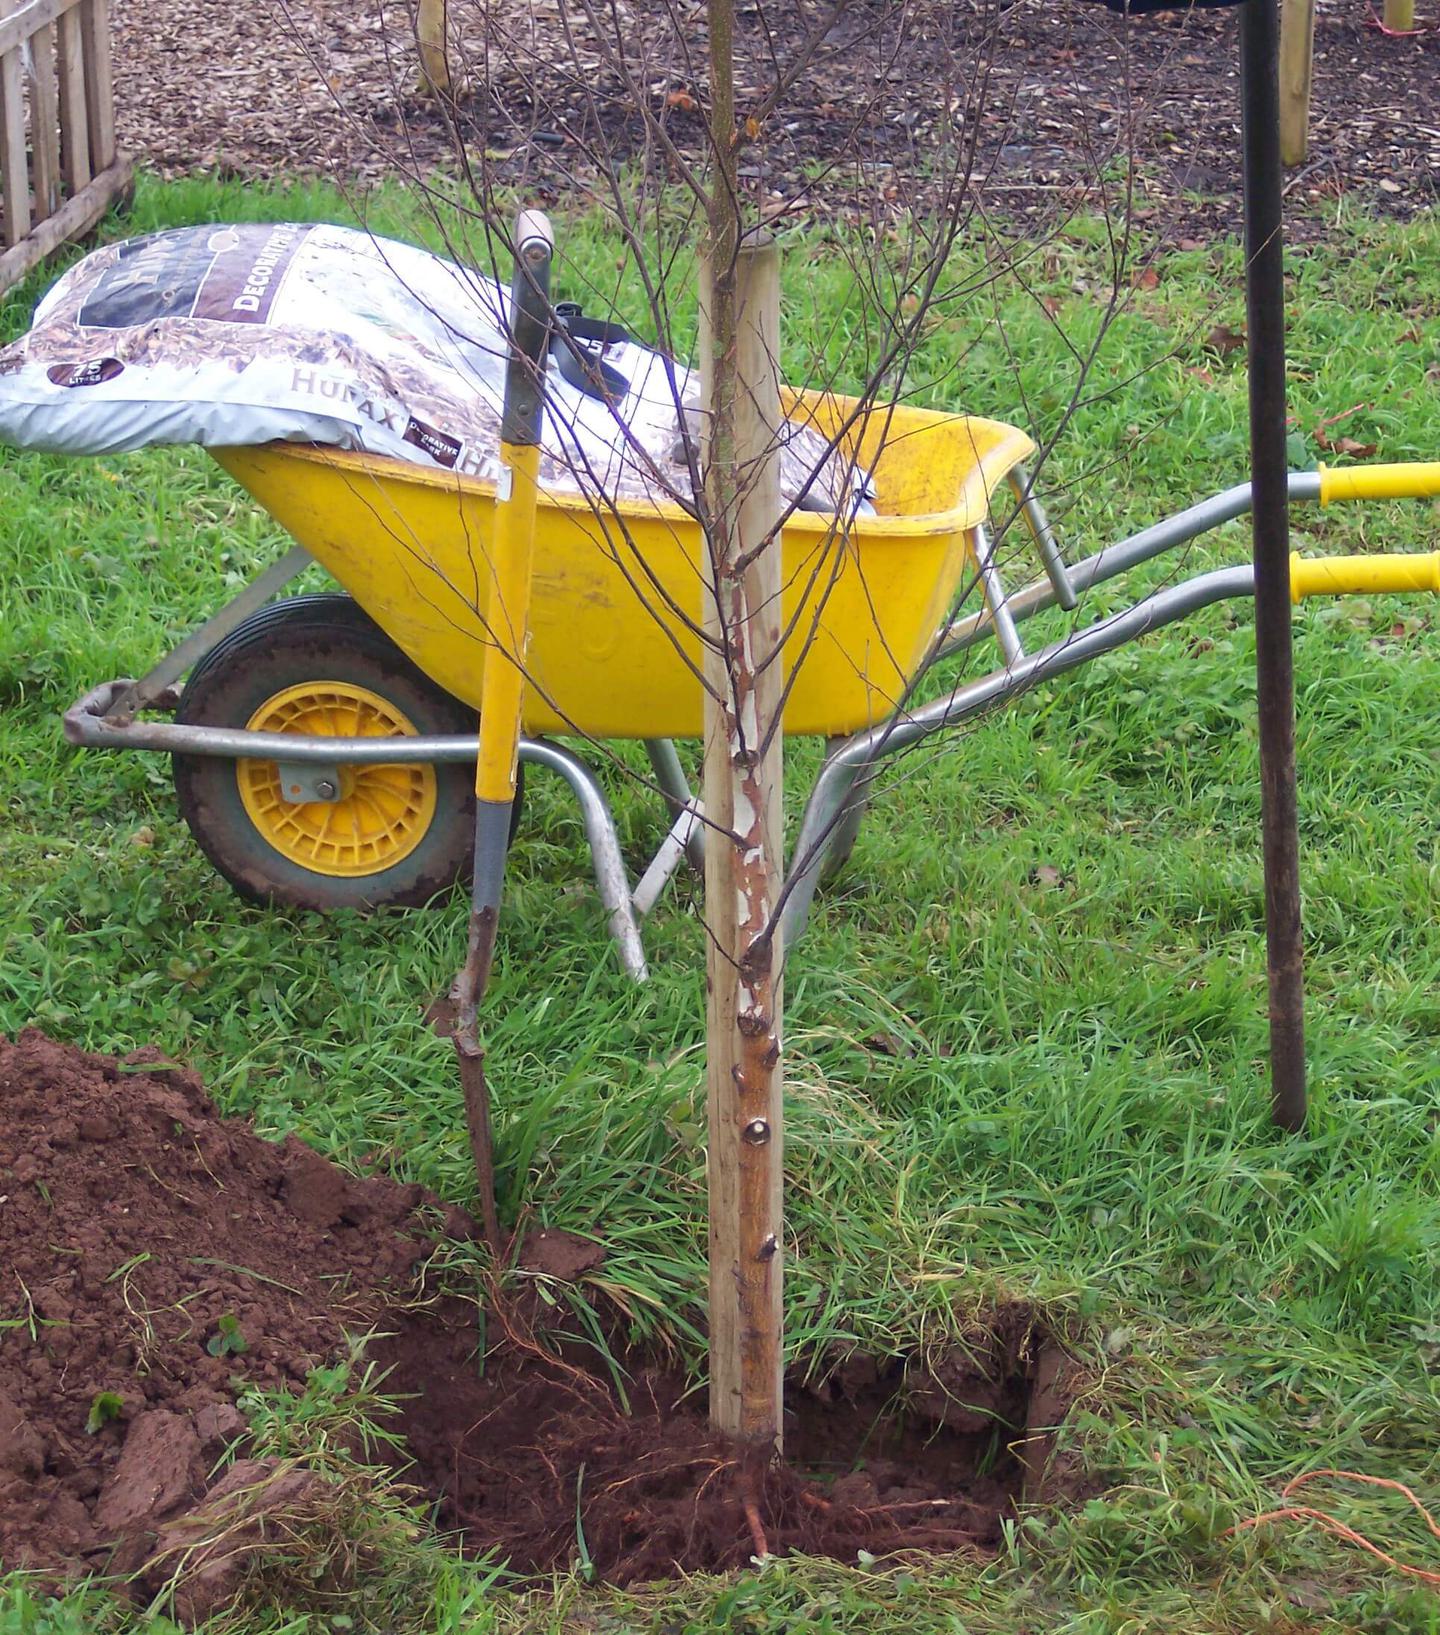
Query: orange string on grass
[1333, 1524]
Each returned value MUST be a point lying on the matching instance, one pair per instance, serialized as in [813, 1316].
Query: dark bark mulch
[1053, 95]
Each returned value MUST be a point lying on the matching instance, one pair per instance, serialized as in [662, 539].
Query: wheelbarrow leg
[610, 876]
[852, 815]
[859, 756]
[846, 824]
[824, 819]
[997, 598]
[1048, 547]
[675, 787]
[832, 837]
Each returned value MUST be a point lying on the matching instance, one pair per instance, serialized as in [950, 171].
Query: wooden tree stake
[1400, 16]
[431, 29]
[740, 349]
[1297, 59]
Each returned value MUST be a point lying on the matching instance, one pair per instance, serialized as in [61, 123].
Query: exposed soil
[535, 1458]
[156, 1259]
[1050, 92]
[133, 1219]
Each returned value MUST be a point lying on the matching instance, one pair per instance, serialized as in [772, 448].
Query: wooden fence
[59, 171]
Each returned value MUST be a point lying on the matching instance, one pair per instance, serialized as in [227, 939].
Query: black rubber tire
[319, 638]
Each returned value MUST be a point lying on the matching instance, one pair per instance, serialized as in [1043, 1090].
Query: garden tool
[505, 607]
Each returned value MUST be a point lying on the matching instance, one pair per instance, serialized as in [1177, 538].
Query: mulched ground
[156, 1260]
[1050, 92]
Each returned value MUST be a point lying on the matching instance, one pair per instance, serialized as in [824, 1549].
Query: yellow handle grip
[1363, 575]
[507, 615]
[1414, 480]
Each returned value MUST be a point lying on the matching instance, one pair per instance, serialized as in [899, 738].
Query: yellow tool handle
[1415, 480]
[507, 614]
[1352, 575]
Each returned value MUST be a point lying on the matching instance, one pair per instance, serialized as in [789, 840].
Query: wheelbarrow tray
[612, 654]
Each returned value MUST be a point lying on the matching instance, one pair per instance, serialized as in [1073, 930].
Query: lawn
[1026, 1030]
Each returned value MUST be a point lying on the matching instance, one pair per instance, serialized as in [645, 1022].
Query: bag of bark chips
[232, 335]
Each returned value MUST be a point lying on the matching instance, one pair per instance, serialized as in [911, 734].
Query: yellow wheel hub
[383, 811]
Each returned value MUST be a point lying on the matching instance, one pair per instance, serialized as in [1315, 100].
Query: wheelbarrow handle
[1363, 575]
[1411, 480]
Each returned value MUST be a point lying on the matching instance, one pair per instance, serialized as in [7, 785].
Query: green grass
[1076, 1113]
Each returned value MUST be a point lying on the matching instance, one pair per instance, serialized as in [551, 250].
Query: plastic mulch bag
[234, 335]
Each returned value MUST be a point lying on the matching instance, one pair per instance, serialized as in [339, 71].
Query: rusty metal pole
[1265, 308]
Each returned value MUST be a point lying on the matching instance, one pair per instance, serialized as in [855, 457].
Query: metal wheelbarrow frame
[109, 716]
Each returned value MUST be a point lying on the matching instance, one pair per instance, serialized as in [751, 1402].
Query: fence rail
[59, 171]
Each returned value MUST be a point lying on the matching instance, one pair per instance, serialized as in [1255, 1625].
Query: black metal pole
[1265, 307]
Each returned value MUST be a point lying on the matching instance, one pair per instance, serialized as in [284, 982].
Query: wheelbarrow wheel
[397, 834]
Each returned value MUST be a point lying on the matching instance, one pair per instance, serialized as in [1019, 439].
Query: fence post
[99, 90]
[44, 117]
[14, 177]
[74, 120]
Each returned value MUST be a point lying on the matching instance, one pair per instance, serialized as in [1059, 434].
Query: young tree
[670, 121]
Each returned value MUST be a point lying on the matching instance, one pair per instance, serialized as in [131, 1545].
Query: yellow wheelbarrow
[277, 766]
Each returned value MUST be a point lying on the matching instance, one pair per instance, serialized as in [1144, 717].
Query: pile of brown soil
[156, 1259]
[134, 1221]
